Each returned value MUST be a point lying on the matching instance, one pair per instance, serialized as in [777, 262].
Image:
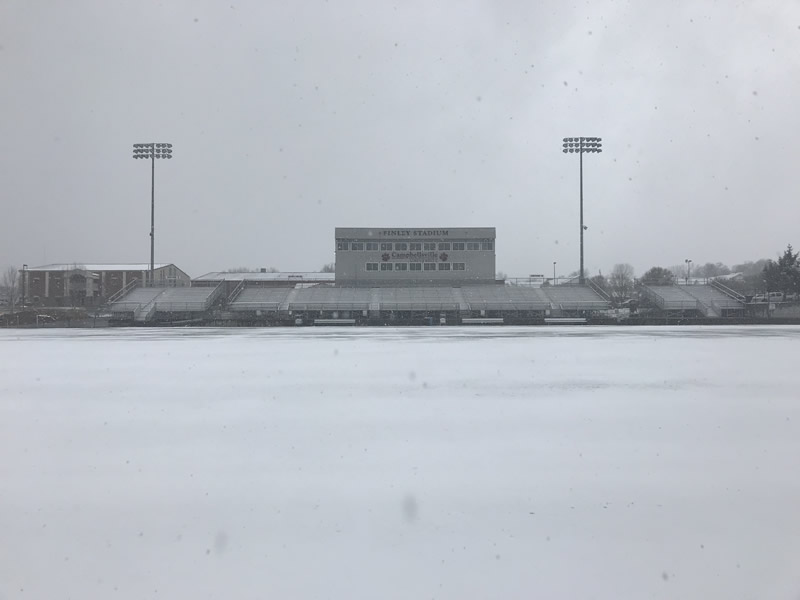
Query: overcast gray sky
[289, 119]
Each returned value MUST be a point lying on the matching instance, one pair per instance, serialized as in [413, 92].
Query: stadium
[381, 276]
[419, 276]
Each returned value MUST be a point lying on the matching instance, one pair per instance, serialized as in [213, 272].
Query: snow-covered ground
[400, 463]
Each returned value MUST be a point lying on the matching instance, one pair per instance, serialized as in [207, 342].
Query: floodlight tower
[152, 151]
[581, 145]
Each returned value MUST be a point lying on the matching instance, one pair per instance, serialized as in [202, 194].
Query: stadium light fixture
[554, 272]
[581, 145]
[152, 151]
[688, 262]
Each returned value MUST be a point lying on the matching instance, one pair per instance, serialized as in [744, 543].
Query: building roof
[287, 276]
[409, 233]
[99, 267]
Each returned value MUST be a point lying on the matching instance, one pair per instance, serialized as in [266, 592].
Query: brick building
[91, 284]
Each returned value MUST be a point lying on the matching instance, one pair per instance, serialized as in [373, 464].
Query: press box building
[375, 257]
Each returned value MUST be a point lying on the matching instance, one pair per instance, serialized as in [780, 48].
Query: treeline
[748, 278]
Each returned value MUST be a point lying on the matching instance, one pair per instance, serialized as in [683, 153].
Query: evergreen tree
[783, 275]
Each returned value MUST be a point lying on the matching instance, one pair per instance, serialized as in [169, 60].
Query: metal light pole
[554, 272]
[152, 151]
[24, 281]
[581, 145]
[688, 262]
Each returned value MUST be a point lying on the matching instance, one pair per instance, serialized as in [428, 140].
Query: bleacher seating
[260, 298]
[710, 296]
[135, 299]
[329, 298]
[144, 303]
[672, 297]
[505, 297]
[491, 297]
[575, 297]
[185, 299]
[417, 298]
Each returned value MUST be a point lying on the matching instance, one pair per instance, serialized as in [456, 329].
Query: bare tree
[328, 268]
[11, 285]
[658, 276]
[620, 282]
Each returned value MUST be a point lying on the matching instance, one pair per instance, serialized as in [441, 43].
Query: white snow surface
[400, 463]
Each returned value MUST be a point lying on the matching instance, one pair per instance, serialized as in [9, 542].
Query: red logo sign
[385, 256]
[443, 256]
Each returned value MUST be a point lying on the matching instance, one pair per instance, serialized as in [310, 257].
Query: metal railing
[145, 312]
[651, 295]
[665, 304]
[124, 307]
[583, 305]
[126, 288]
[255, 305]
[598, 290]
[525, 281]
[702, 307]
[419, 306]
[191, 306]
[507, 305]
[236, 291]
[727, 291]
[323, 306]
[215, 294]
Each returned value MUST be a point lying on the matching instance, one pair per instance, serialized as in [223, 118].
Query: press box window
[341, 245]
[401, 266]
[458, 245]
[488, 245]
[357, 246]
[372, 246]
[415, 267]
[400, 246]
[473, 245]
[429, 266]
[372, 266]
[429, 246]
[459, 267]
[386, 266]
[415, 246]
[444, 245]
[386, 246]
[444, 266]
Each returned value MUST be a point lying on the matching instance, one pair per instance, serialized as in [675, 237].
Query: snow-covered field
[400, 463]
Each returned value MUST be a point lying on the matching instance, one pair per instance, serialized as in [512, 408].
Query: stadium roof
[288, 276]
[99, 267]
